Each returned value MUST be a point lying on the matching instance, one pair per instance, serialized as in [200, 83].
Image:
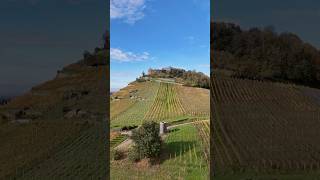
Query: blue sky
[39, 37]
[158, 33]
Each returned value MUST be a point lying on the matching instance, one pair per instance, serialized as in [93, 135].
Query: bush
[147, 140]
[117, 155]
[134, 155]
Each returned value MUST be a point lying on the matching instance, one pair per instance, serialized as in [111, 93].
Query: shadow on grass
[174, 150]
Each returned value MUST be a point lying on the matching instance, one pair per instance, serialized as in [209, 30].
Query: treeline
[261, 53]
[189, 78]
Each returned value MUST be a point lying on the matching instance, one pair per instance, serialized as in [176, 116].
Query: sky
[298, 16]
[156, 34]
[39, 37]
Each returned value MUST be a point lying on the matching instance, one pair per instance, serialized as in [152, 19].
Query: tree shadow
[174, 149]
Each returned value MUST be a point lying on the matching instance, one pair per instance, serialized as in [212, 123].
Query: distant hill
[262, 53]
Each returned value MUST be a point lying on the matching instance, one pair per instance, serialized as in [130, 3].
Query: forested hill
[262, 53]
[188, 78]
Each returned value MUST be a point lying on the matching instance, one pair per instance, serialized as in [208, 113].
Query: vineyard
[158, 101]
[64, 150]
[166, 105]
[57, 130]
[263, 128]
[140, 102]
[194, 105]
[185, 153]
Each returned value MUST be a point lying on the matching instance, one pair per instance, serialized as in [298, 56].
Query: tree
[147, 140]
[261, 53]
[86, 54]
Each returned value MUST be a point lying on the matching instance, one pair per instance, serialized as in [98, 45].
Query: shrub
[134, 155]
[117, 155]
[147, 140]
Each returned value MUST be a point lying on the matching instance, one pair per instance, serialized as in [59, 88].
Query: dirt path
[124, 145]
[193, 122]
[128, 142]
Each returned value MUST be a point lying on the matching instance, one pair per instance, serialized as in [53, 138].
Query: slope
[264, 128]
[47, 129]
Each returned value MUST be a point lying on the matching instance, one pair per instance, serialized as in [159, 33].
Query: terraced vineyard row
[76, 159]
[136, 113]
[203, 128]
[166, 105]
[263, 126]
[194, 100]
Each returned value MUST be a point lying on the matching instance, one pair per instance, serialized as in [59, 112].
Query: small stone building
[163, 128]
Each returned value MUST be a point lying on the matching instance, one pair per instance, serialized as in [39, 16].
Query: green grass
[185, 154]
[135, 114]
[181, 157]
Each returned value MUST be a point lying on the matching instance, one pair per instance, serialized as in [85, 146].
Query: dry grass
[196, 101]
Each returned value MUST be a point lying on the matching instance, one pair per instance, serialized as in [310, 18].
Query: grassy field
[183, 158]
[263, 130]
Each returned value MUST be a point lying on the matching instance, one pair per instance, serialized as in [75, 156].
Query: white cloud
[128, 10]
[122, 56]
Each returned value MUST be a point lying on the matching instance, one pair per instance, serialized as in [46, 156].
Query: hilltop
[187, 78]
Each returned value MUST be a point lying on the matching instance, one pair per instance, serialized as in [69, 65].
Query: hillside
[264, 129]
[58, 128]
[185, 152]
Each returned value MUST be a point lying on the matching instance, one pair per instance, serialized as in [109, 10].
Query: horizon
[152, 35]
